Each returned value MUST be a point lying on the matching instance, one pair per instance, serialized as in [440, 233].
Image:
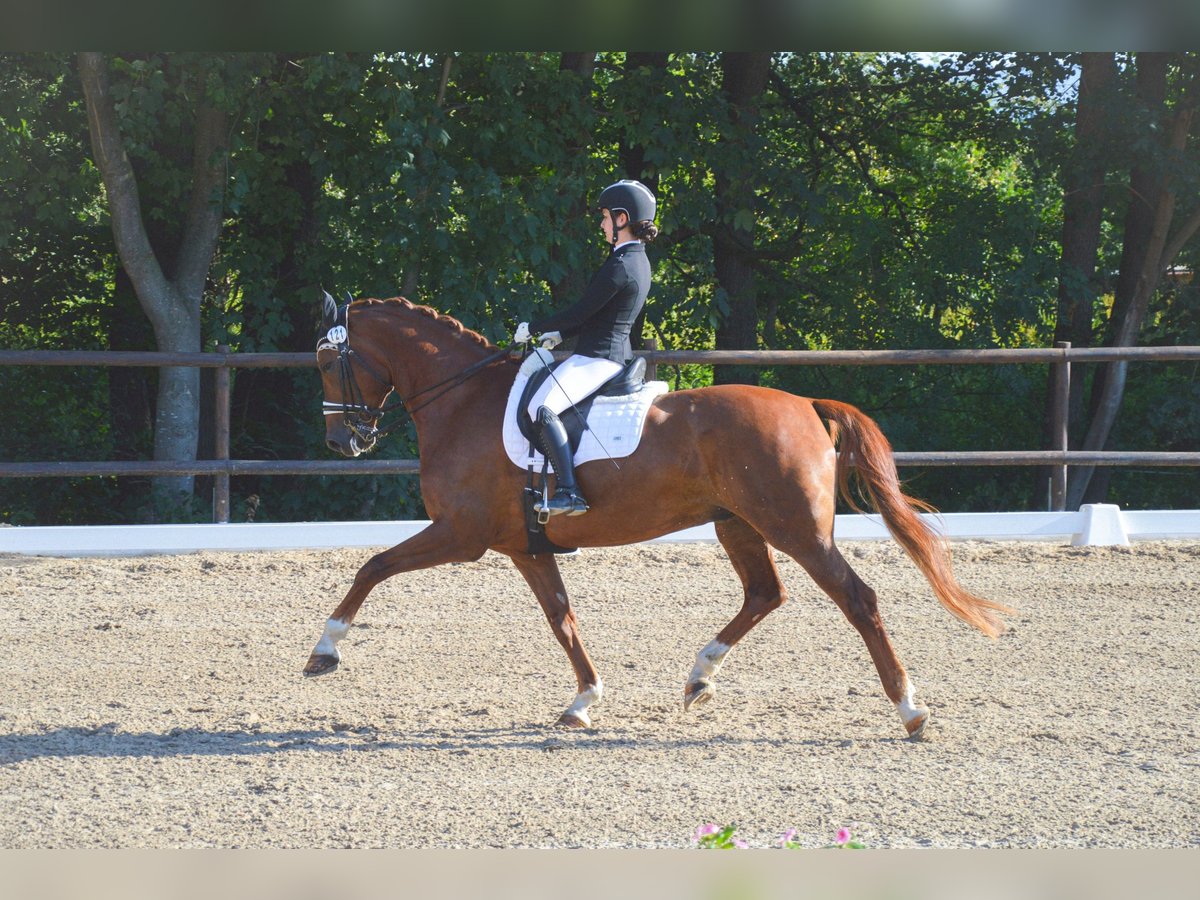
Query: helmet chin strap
[616, 232]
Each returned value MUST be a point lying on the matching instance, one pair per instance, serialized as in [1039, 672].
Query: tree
[170, 291]
[1083, 215]
[54, 244]
[1083, 201]
[428, 152]
[1157, 170]
[838, 200]
[577, 121]
[744, 79]
[647, 68]
[55, 265]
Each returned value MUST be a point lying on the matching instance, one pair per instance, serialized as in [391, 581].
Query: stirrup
[562, 503]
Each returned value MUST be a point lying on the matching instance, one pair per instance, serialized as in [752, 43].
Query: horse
[761, 464]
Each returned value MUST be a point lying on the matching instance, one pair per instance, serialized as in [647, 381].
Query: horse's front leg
[541, 571]
[437, 544]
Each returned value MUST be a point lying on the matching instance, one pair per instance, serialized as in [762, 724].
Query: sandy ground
[158, 702]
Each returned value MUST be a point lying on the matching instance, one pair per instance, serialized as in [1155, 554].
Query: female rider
[602, 319]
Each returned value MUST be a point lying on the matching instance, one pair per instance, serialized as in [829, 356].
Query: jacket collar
[624, 244]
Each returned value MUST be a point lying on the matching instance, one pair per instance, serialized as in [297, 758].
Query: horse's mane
[451, 323]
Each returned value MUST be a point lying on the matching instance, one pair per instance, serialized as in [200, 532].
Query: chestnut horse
[759, 463]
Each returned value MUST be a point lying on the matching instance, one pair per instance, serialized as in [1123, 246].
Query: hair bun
[645, 231]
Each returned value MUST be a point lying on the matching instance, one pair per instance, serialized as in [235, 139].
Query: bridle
[358, 415]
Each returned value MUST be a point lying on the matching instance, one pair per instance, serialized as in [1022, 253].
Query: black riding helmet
[630, 197]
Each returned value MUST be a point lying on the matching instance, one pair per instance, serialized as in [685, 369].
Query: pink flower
[704, 831]
[843, 836]
[787, 837]
[740, 844]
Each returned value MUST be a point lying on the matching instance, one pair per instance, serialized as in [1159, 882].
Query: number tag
[337, 334]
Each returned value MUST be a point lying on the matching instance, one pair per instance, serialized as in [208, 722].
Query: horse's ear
[328, 309]
[349, 297]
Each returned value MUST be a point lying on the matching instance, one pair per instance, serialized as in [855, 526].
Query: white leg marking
[583, 700]
[335, 630]
[908, 708]
[708, 661]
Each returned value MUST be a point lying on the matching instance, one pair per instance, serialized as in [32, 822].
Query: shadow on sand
[108, 741]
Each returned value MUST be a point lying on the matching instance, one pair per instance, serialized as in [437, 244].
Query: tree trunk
[130, 391]
[1083, 206]
[583, 64]
[1147, 228]
[745, 77]
[171, 303]
[1083, 213]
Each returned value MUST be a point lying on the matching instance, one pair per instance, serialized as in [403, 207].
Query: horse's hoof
[574, 720]
[697, 694]
[916, 727]
[321, 664]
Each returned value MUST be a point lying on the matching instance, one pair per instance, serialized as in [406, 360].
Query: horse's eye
[325, 367]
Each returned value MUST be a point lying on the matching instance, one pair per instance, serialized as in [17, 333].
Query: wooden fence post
[222, 400]
[652, 369]
[1061, 376]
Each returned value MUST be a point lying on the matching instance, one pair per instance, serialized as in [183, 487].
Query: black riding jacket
[611, 303]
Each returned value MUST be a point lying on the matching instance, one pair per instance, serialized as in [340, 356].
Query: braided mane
[451, 323]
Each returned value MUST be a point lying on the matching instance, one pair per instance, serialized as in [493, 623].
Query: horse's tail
[863, 448]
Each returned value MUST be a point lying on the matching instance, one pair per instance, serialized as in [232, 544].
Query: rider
[602, 319]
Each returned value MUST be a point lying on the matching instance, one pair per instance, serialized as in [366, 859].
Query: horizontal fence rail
[211, 467]
[413, 466]
[223, 360]
[1016, 356]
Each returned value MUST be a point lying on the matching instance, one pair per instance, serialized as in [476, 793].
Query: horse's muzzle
[341, 439]
[351, 447]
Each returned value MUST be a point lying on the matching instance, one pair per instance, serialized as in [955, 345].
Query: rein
[355, 412]
[454, 380]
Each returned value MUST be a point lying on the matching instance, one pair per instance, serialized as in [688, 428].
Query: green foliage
[59, 414]
[55, 245]
[897, 204]
[713, 837]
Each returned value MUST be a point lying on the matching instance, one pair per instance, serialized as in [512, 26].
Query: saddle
[617, 411]
[629, 380]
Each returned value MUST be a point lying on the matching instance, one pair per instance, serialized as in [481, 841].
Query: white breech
[572, 382]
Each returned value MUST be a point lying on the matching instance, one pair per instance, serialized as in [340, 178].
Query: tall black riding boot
[557, 446]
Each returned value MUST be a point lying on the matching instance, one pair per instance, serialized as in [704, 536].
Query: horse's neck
[423, 356]
[420, 373]
[419, 351]
[449, 422]
[427, 377]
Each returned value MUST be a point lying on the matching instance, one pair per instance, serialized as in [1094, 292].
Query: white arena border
[1093, 524]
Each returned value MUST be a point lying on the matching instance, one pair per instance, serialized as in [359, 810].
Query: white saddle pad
[614, 423]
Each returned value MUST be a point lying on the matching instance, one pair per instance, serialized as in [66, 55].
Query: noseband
[359, 416]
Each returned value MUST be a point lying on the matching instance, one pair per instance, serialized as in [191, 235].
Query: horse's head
[355, 388]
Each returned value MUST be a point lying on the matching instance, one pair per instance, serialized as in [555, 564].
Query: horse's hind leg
[541, 572]
[829, 569]
[751, 558]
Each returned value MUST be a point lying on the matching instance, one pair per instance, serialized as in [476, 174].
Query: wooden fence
[221, 467]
